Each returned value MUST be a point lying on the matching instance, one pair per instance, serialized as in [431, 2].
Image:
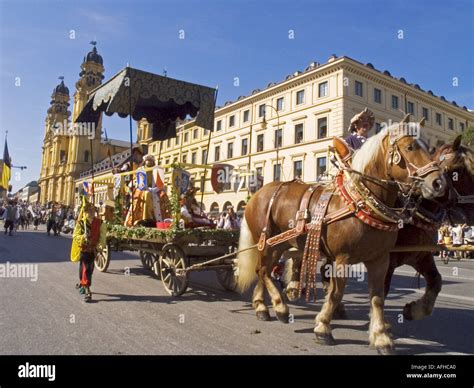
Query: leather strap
[263, 236]
[302, 217]
[312, 253]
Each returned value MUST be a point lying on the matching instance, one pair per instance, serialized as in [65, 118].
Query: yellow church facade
[67, 150]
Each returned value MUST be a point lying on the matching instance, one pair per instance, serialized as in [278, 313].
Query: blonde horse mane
[369, 152]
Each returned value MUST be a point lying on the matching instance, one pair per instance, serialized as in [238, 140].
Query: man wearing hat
[89, 233]
[361, 124]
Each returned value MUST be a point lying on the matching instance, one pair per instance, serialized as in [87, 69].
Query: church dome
[61, 88]
[93, 56]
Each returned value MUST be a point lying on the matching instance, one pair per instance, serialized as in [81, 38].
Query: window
[260, 143]
[245, 146]
[278, 138]
[276, 172]
[230, 150]
[394, 102]
[300, 97]
[377, 95]
[186, 137]
[217, 152]
[298, 133]
[193, 158]
[168, 143]
[320, 166]
[378, 127]
[410, 107]
[195, 133]
[175, 160]
[298, 169]
[280, 103]
[219, 125]
[246, 115]
[359, 89]
[461, 126]
[261, 110]
[176, 140]
[232, 121]
[204, 157]
[259, 171]
[438, 119]
[184, 158]
[86, 156]
[62, 156]
[426, 114]
[323, 89]
[322, 127]
[451, 124]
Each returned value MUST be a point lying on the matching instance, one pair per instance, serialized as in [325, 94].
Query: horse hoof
[263, 316]
[283, 318]
[386, 351]
[325, 339]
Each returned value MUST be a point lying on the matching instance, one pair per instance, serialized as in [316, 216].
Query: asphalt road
[133, 314]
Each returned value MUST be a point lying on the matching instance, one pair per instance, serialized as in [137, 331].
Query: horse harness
[359, 202]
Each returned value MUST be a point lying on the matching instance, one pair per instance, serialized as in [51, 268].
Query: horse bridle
[458, 198]
[396, 155]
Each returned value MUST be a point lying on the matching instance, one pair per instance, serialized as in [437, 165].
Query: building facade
[68, 151]
[283, 131]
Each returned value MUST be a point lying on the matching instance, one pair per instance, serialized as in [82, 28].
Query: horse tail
[247, 259]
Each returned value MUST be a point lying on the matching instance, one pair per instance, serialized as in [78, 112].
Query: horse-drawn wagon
[170, 250]
[173, 255]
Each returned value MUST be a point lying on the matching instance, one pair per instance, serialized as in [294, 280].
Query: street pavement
[133, 314]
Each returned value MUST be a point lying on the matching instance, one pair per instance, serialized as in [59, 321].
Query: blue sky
[223, 40]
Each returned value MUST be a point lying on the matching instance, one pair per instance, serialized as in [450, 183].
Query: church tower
[55, 145]
[82, 149]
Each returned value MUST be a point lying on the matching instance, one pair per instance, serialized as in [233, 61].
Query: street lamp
[277, 145]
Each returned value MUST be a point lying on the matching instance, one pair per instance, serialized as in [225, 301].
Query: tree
[468, 136]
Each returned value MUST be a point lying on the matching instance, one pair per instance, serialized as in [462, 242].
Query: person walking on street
[88, 234]
[9, 218]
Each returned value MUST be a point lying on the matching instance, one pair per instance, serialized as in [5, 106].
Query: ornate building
[68, 150]
[283, 131]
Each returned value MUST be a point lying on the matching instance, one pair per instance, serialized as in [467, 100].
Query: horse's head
[457, 161]
[396, 155]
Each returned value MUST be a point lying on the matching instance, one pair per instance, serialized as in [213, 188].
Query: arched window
[214, 209]
[224, 208]
[241, 208]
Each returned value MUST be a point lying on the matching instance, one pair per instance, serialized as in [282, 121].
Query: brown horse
[347, 241]
[458, 164]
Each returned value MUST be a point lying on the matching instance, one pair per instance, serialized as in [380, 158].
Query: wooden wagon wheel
[173, 261]
[148, 259]
[102, 259]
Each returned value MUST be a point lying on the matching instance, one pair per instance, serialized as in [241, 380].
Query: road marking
[443, 275]
[430, 344]
[441, 294]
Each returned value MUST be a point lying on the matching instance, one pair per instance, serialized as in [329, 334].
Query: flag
[6, 170]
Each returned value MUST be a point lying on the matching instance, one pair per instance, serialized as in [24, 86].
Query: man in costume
[361, 124]
[89, 234]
